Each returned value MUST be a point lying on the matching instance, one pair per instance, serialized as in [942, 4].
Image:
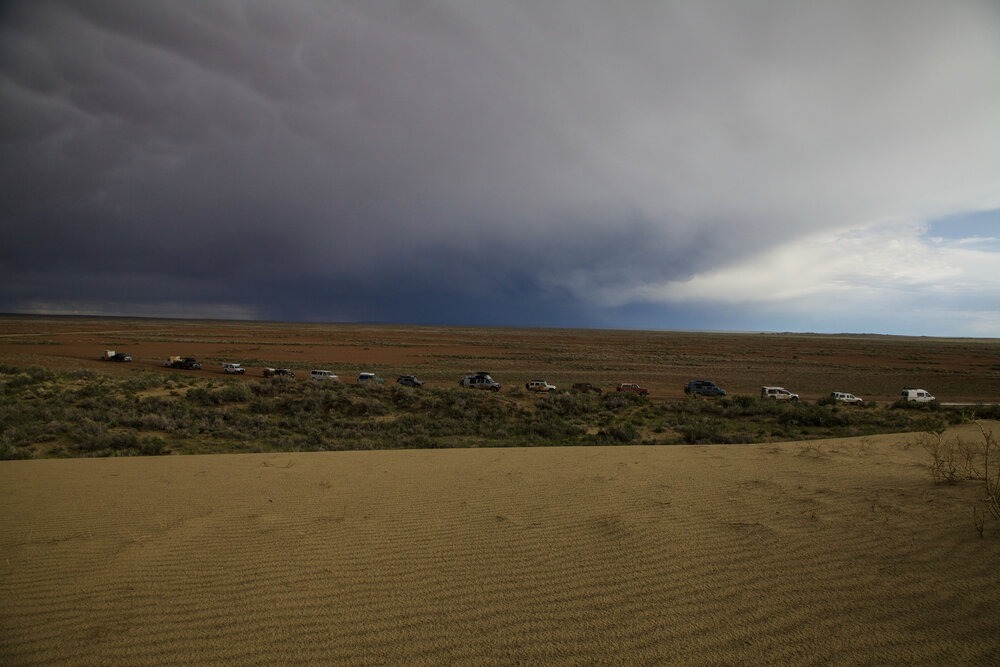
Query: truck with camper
[778, 394]
[183, 363]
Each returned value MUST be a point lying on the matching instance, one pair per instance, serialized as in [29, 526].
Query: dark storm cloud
[512, 162]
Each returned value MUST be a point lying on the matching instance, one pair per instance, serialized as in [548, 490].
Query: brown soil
[834, 552]
[874, 367]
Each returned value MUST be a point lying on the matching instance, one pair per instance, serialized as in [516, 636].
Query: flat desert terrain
[827, 552]
[837, 551]
[812, 365]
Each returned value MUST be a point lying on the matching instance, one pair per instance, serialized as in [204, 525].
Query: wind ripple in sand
[807, 554]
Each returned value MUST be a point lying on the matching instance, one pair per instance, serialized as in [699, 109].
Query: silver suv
[844, 397]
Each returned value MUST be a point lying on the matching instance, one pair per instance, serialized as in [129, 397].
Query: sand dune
[832, 552]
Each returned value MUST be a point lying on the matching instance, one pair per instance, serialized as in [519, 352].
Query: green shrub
[702, 431]
[235, 392]
[621, 400]
[143, 382]
[9, 451]
[619, 433]
[19, 378]
[88, 414]
[566, 405]
[744, 402]
[232, 392]
[902, 404]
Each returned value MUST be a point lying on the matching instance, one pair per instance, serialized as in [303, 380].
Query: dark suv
[703, 388]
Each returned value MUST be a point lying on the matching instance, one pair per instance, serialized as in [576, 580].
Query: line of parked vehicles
[709, 388]
[483, 380]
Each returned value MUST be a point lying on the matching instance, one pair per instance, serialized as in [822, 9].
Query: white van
[915, 395]
[324, 375]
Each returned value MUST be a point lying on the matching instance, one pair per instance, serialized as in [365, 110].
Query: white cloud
[890, 270]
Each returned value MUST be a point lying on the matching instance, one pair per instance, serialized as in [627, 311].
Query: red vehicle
[634, 388]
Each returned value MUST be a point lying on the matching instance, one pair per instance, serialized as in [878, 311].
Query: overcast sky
[780, 166]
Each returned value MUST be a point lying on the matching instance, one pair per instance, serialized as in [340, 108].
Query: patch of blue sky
[975, 224]
[977, 231]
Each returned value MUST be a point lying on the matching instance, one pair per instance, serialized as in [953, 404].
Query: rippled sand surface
[832, 552]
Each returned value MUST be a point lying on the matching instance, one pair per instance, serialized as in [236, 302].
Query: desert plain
[872, 366]
[835, 551]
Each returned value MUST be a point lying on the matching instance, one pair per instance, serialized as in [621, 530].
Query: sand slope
[834, 552]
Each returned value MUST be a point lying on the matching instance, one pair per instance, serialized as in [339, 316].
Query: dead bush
[954, 459]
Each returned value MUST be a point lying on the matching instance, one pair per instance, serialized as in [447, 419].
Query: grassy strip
[45, 413]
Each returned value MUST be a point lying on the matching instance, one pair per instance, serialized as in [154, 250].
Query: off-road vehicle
[539, 385]
[703, 388]
[844, 397]
[778, 394]
[183, 363]
[480, 380]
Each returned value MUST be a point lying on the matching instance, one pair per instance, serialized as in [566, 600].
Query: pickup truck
[634, 388]
[183, 363]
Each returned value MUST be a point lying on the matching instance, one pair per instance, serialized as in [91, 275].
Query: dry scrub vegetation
[837, 551]
[49, 413]
[955, 459]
